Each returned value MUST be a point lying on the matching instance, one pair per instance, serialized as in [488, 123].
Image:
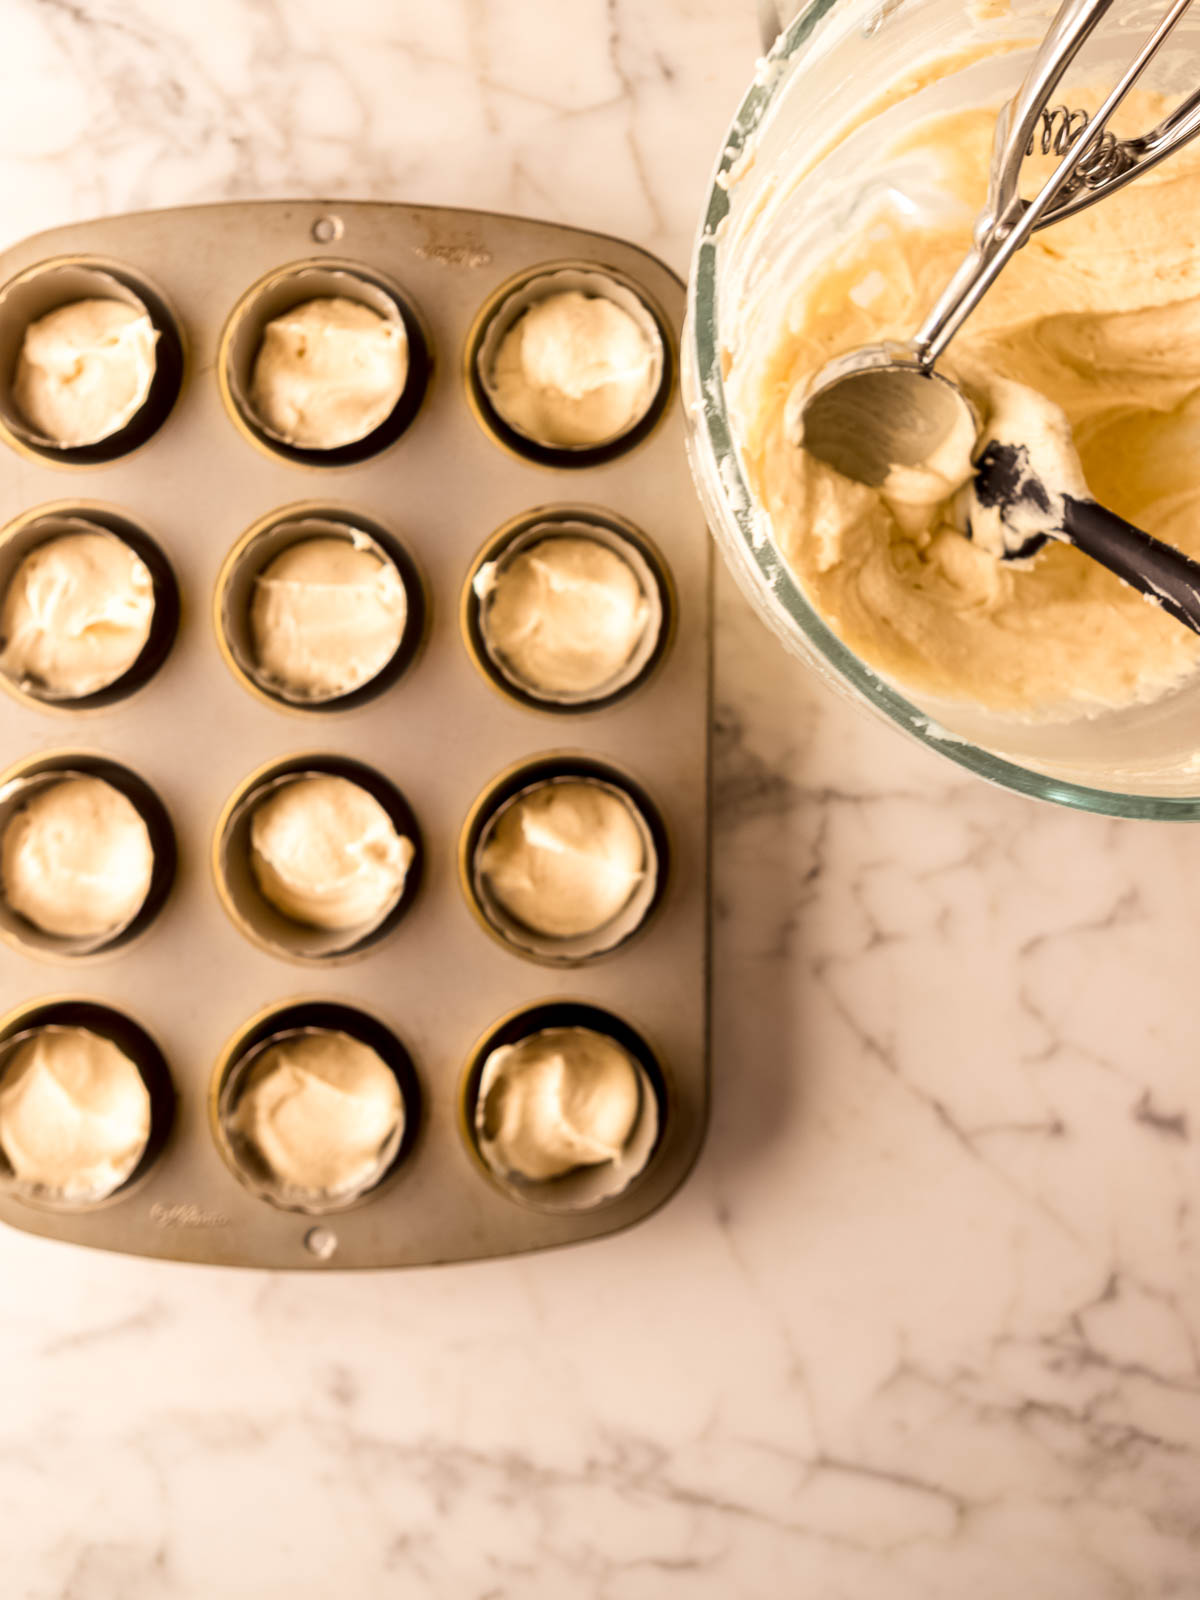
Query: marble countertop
[926, 1320]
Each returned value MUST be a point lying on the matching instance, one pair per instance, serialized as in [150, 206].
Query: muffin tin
[24, 535]
[202, 981]
[531, 532]
[505, 309]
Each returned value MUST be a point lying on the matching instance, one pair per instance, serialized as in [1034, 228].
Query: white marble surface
[926, 1321]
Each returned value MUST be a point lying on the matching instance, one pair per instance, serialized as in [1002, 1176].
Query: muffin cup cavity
[501, 313]
[583, 1188]
[253, 913]
[21, 784]
[277, 1026]
[134, 1042]
[281, 291]
[529, 778]
[526, 533]
[42, 289]
[24, 535]
[260, 546]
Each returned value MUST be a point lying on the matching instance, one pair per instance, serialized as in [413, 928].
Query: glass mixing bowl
[804, 152]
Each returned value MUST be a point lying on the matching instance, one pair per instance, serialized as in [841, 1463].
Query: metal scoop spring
[1099, 163]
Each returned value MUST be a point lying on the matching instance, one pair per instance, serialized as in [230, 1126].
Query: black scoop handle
[1157, 570]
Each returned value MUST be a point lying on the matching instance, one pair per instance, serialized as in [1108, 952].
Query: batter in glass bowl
[1100, 314]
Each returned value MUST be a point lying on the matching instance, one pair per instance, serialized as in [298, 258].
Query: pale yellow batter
[564, 616]
[328, 372]
[323, 1114]
[565, 858]
[557, 1100]
[327, 616]
[76, 859]
[74, 1114]
[325, 853]
[85, 370]
[76, 614]
[574, 370]
[1100, 313]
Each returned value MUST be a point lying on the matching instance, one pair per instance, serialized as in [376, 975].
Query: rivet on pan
[321, 1242]
[325, 230]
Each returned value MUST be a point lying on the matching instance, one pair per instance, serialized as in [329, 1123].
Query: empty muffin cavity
[86, 1104]
[570, 365]
[87, 855]
[564, 859]
[318, 857]
[324, 364]
[89, 607]
[314, 1105]
[91, 360]
[567, 610]
[565, 1105]
[319, 609]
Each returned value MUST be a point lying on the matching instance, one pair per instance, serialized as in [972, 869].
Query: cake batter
[1101, 315]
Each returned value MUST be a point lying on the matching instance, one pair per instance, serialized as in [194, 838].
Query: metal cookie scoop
[884, 406]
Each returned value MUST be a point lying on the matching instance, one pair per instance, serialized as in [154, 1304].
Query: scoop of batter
[327, 616]
[74, 1114]
[564, 858]
[564, 616]
[1101, 315]
[323, 1114]
[325, 853]
[328, 372]
[85, 370]
[1018, 419]
[557, 1100]
[77, 859]
[76, 614]
[573, 370]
